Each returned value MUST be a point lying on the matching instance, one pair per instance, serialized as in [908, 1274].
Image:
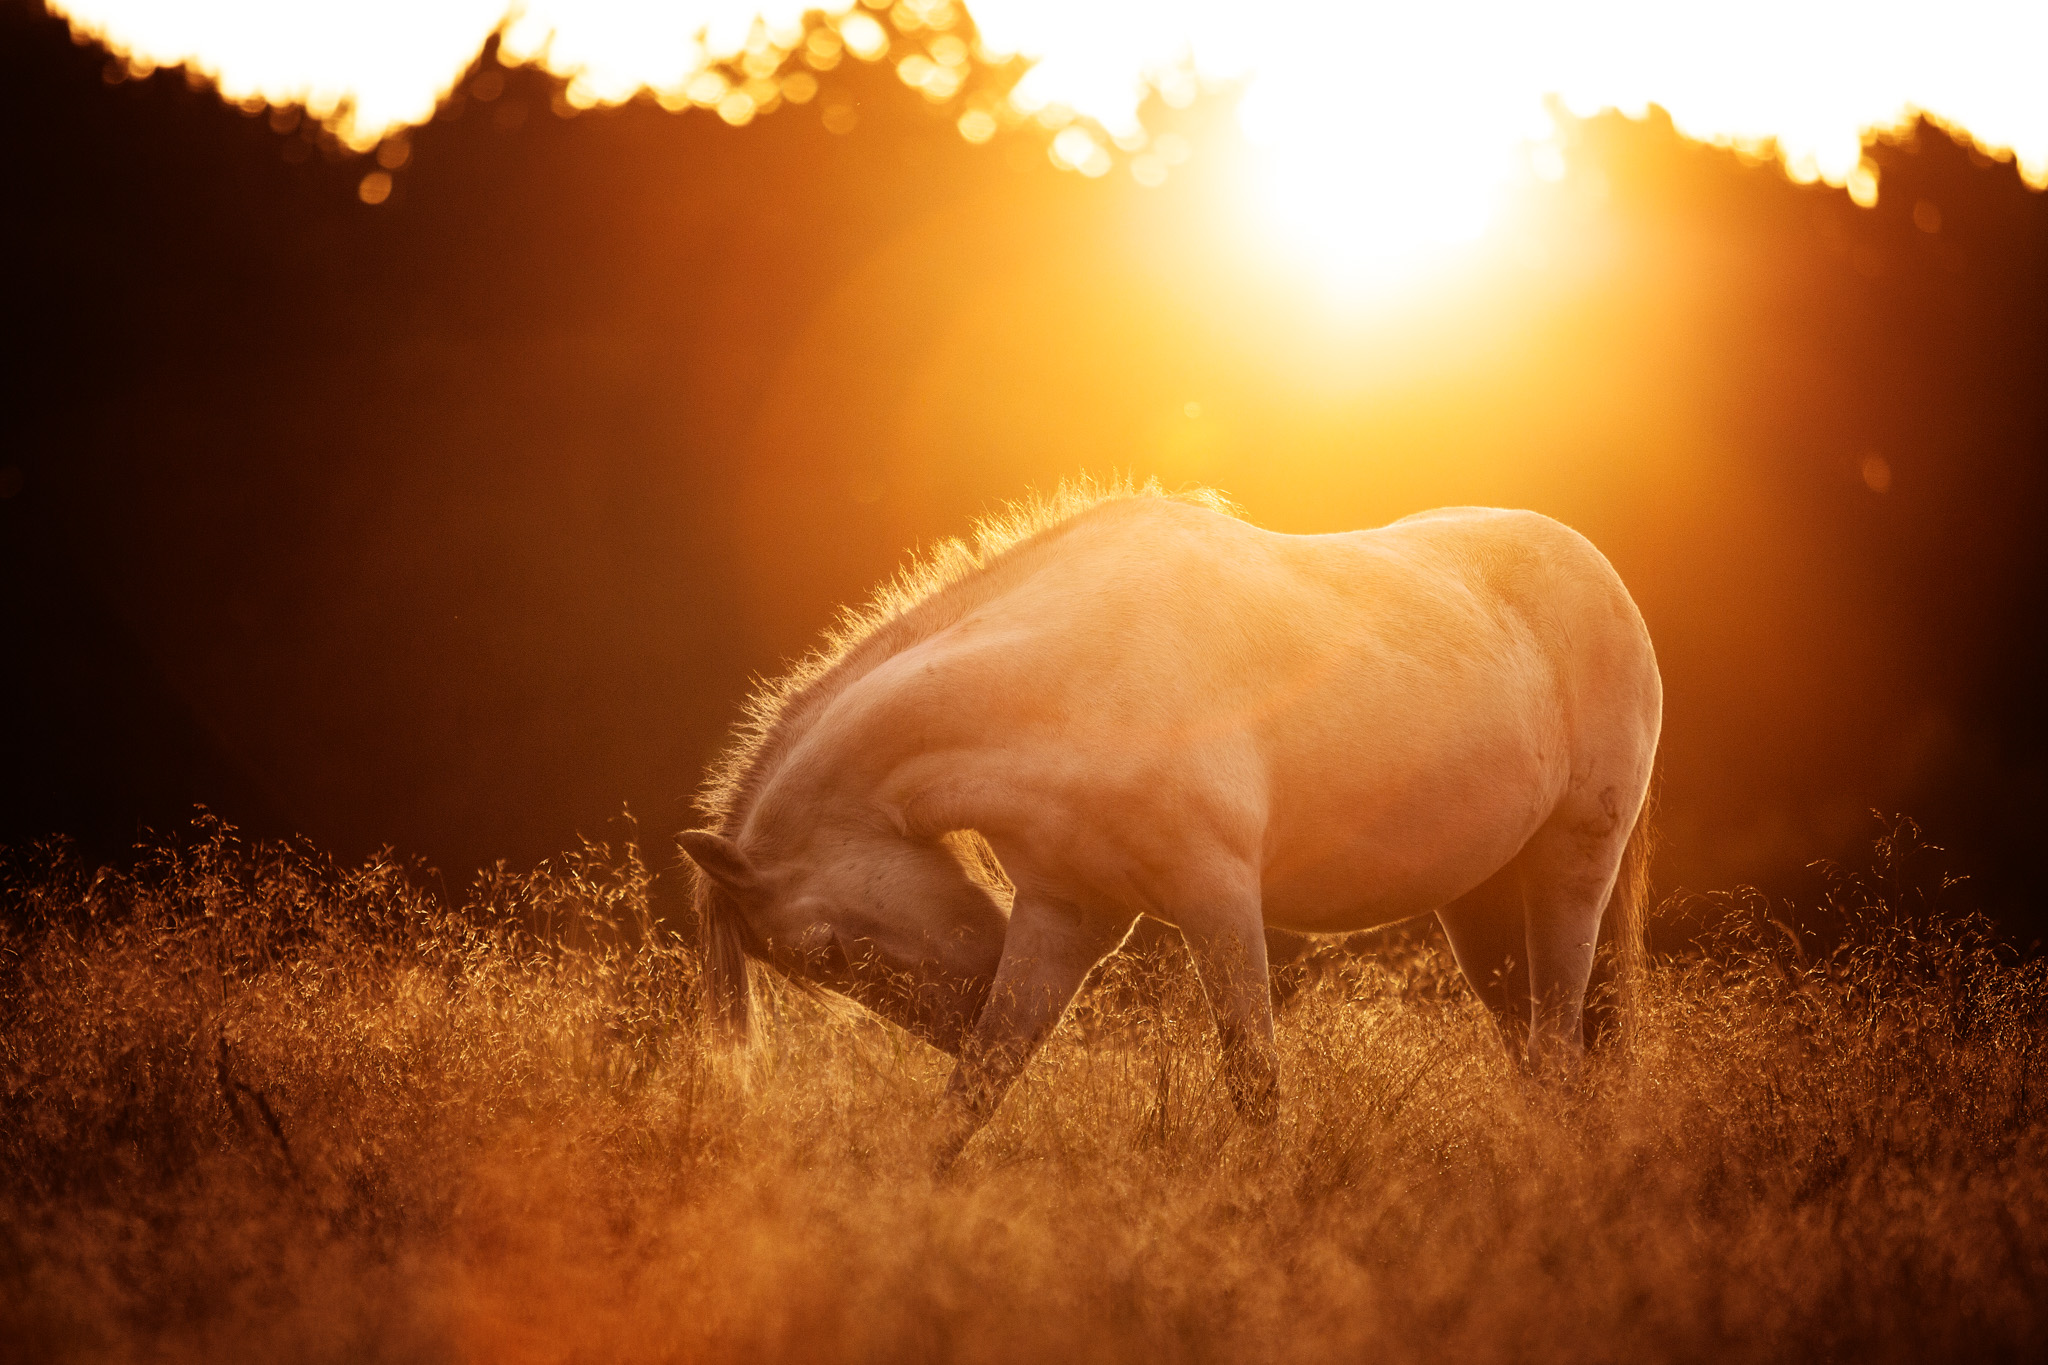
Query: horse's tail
[1621, 971]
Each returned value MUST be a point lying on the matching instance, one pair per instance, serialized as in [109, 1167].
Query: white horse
[1144, 705]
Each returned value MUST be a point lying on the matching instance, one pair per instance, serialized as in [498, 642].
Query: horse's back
[1443, 593]
[1177, 609]
[1415, 699]
[1379, 719]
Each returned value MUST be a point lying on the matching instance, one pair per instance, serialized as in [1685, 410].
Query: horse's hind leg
[1489, 937]
[1568, 870]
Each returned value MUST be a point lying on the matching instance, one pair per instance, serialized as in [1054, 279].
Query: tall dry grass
[258, 1106]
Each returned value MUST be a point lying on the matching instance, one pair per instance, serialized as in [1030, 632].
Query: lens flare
[1384, 132]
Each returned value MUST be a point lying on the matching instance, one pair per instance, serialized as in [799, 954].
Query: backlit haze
[432, 415]
[1474, 87]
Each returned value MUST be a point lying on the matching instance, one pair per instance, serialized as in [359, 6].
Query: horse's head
[893, 921]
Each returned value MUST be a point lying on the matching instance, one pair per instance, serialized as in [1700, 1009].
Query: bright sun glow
[1386, 132]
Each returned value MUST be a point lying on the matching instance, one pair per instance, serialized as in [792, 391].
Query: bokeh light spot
[977, 125]
[1074, 148]
[737, 108]
[864, 37]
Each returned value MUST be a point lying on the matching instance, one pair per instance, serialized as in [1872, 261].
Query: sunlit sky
[1440, 107]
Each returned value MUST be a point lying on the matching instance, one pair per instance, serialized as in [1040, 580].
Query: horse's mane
[933, 590]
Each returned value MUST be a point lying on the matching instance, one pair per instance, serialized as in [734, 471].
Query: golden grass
[260, 1107]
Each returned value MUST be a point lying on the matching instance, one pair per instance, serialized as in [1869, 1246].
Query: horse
[1124, 702]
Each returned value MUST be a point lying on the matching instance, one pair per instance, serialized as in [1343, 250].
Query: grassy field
[255, 1106]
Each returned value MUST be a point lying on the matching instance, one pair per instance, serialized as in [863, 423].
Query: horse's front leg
[1049, 950]
[1228, 941]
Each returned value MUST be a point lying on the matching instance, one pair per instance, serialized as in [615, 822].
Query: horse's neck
[830, 776]
[871, 766]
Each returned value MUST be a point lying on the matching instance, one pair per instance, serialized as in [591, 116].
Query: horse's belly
[1344, 855]
[1366, 894]
[1364, 887]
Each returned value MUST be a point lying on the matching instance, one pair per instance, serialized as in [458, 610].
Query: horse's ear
[720, 858]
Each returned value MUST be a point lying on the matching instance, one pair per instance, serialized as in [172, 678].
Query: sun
[1375, 204]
